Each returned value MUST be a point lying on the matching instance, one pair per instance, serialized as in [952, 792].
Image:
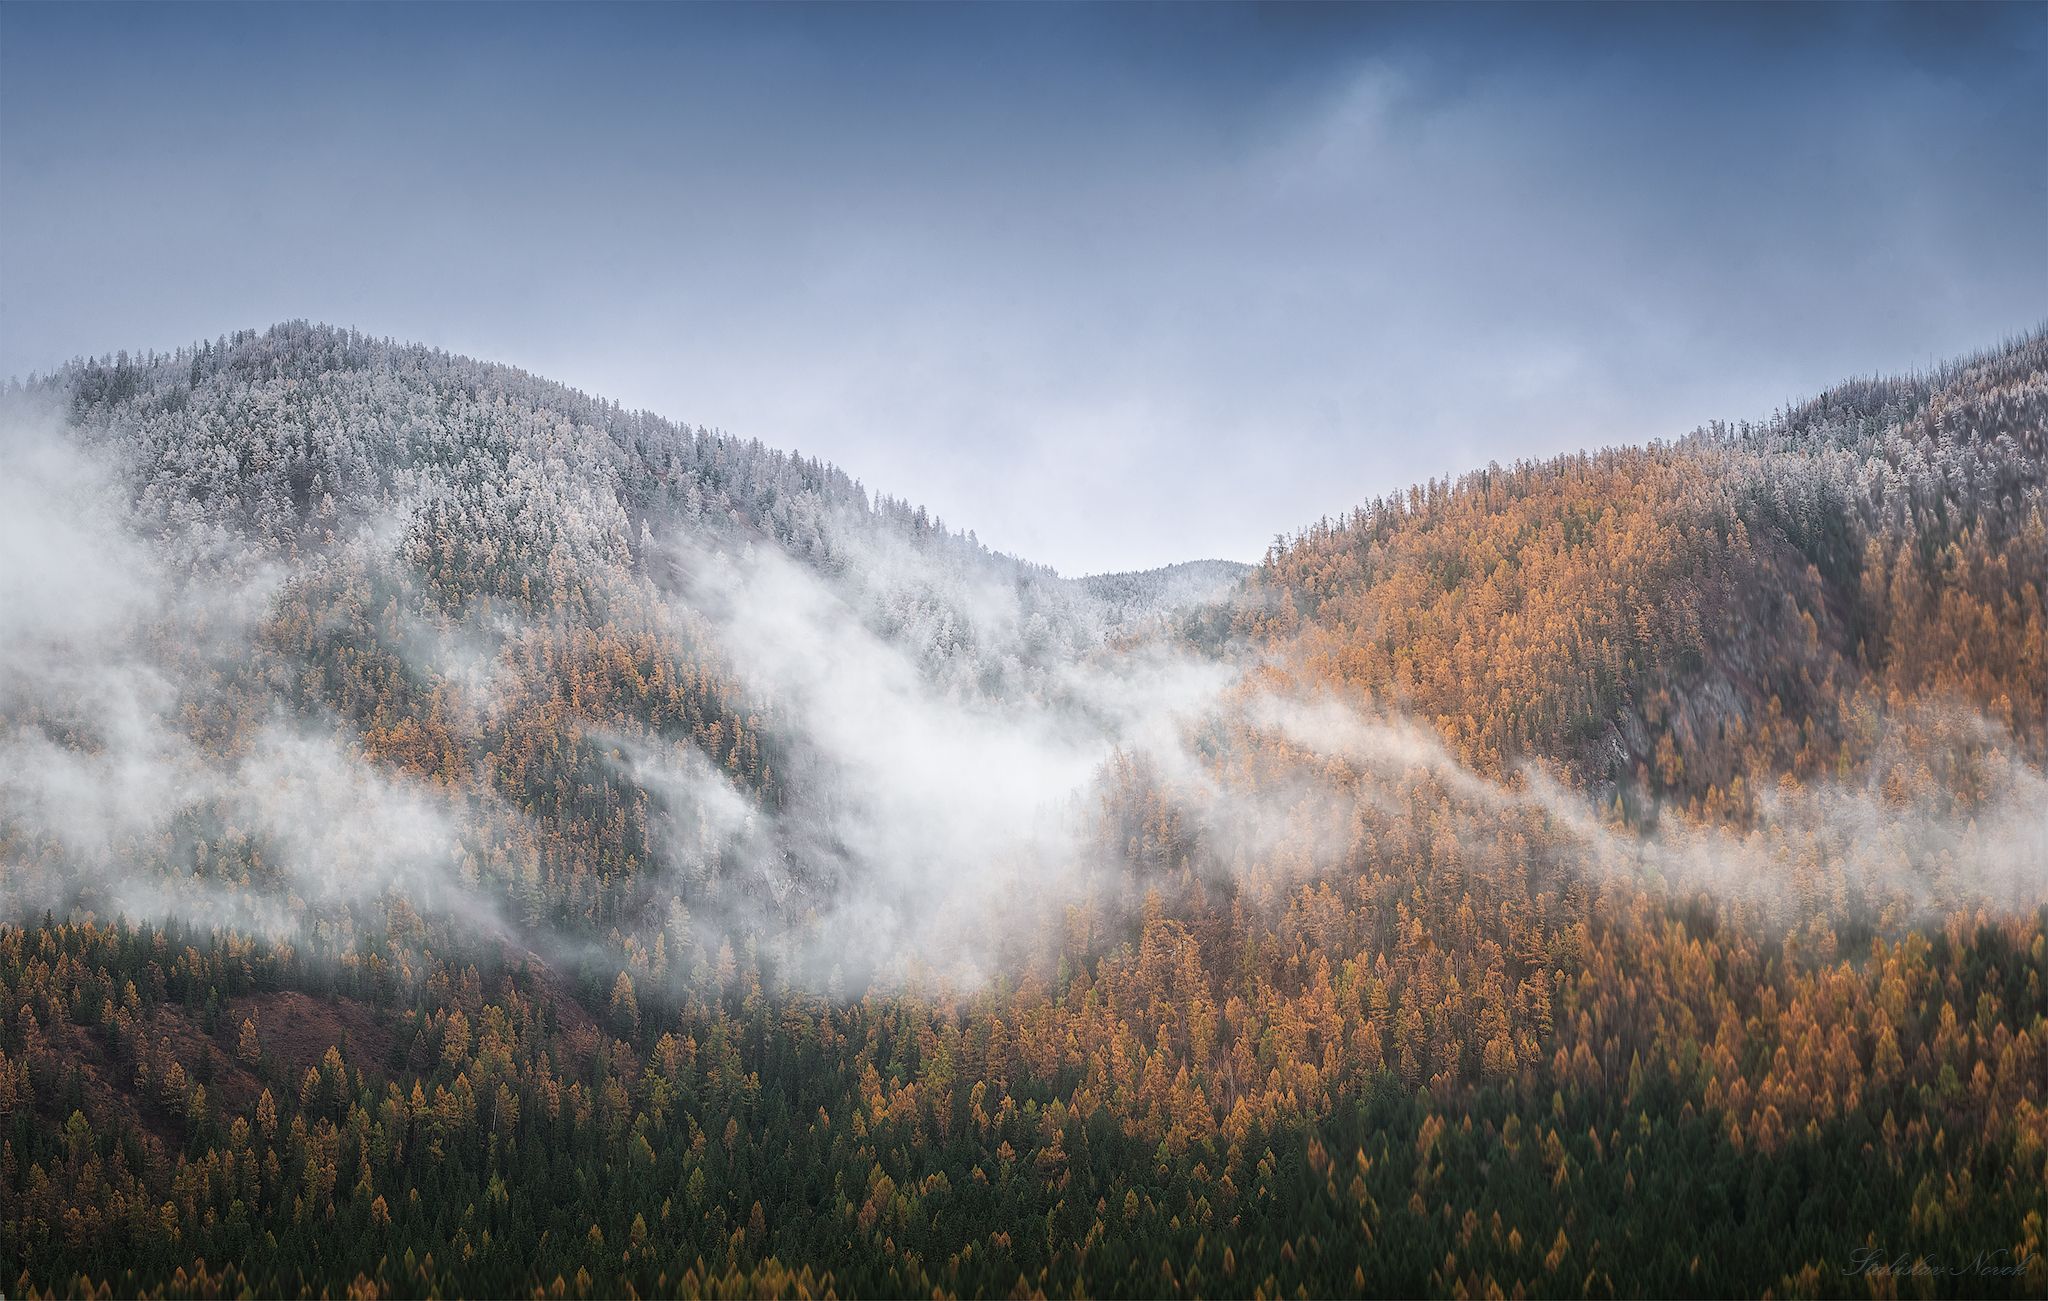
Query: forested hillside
[462, 837]
[1682, 618]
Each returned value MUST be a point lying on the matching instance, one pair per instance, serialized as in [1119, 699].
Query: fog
[930, 828]
[120, 655]
[958, 739]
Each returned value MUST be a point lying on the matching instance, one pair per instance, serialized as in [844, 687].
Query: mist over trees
[462, 836]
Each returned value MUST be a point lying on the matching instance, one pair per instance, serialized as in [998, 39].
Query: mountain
[462, 836]
[1187, 585]
[372, 533]
[1680, 618]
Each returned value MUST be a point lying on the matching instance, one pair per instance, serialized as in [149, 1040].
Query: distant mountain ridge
[1176, 586]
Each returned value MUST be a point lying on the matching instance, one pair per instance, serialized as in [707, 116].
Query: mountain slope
[1683, 617]
[499, 586]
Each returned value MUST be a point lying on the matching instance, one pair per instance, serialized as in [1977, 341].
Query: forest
[462, 837]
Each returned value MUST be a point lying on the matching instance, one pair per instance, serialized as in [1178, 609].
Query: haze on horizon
[1112, 287]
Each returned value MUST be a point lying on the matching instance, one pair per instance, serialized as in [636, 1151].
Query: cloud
[910, 803]
[1898, 846]
[964, 747]
[921, 824]
[115, 648]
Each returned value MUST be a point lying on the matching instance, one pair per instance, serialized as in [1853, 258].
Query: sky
[1114, 287]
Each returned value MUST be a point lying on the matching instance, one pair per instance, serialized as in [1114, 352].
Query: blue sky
[1114, 287]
